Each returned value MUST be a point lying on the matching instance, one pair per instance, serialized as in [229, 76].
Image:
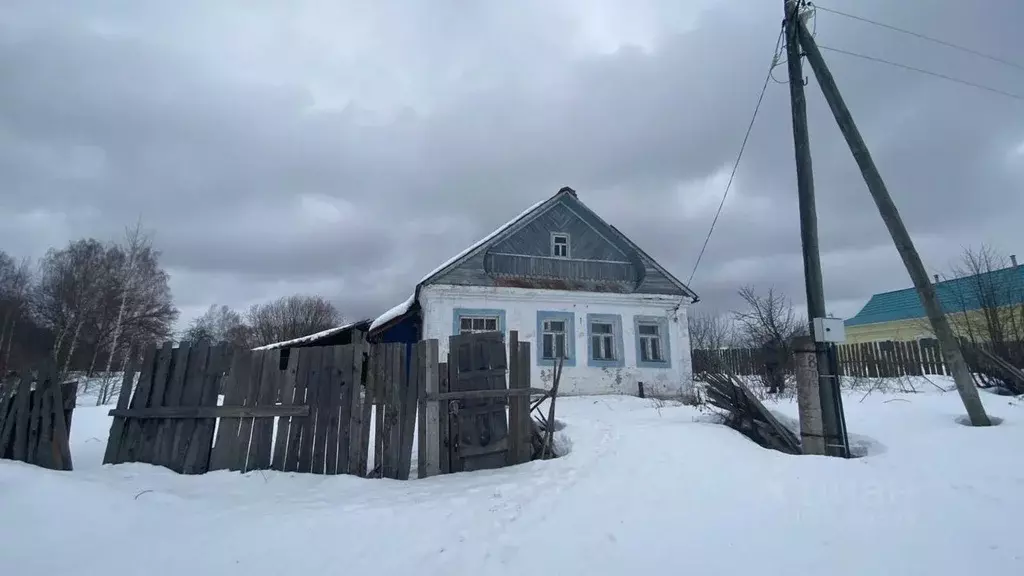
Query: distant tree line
[85, 305]
[283, 319]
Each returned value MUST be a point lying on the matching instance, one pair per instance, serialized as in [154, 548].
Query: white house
[571, 284]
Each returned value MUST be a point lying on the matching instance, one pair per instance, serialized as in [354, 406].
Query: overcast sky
[346, 148]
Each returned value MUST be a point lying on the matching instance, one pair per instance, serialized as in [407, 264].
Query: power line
[739, 157]
[923, 71]
[945, 43]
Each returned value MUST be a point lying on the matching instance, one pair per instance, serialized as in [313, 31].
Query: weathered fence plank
[392, 423]
[285, 422]
[139, 398]
[523, 424]
[381, 432]
[354, 425]
[334, 385]
[198, 452]
[150, 428]
[191, 396]
[297, 426]
[312, 399]
[175, 389]
[22, 406]
[225, 447]
[407, 401]
[263, 428]
[368, 378]
[343, 360]
[444, 417]
[429, 418]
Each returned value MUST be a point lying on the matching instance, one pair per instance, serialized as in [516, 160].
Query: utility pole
[836, 443]
[893, 221]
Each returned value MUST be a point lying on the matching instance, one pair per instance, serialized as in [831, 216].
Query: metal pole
[898, 231]
[831, 401]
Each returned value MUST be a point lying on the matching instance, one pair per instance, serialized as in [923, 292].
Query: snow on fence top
[404, 307]
[310, 337]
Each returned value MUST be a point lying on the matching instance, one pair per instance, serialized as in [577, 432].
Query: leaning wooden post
[898, 231]
[514, 405]
[430, 440]
[812, 435]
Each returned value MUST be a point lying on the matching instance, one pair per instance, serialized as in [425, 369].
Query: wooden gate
[478, 425]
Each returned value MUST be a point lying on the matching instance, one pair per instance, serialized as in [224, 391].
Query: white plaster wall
[521, 305]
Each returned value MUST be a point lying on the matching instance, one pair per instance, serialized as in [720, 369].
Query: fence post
[430, 440]
[809, 404]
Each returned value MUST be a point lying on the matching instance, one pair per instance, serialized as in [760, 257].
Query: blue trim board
[666, 345]
[458, 313]
[616, 321]
[570, 336]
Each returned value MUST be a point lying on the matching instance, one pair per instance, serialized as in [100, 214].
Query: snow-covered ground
[648, 488]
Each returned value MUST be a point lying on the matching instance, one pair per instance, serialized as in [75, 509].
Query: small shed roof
[312, 338]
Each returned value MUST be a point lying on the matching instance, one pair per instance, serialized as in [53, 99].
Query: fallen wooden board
[193, 412]
[483, 394]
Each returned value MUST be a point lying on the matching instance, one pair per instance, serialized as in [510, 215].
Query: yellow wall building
[899, 316]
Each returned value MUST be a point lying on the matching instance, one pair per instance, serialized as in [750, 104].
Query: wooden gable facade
[561, 244]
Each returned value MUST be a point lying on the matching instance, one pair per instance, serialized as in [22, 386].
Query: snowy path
[643, 490]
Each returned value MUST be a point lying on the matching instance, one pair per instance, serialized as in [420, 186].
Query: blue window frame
[653, 348]
[556, 336]
[472, 320]
[604, 341]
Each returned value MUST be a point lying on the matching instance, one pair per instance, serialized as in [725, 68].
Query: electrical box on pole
[831, 330]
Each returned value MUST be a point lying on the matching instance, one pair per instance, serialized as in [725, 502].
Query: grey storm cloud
[348, 148]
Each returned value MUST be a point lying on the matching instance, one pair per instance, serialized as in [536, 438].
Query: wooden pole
[831, 400]
[898, 231]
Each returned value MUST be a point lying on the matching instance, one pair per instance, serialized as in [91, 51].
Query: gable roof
[536, 210]
[956, 295]
[400, 311]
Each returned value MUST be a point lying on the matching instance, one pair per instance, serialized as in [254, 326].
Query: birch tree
[142, 298]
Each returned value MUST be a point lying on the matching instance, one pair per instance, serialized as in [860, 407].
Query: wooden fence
[867, 360]
[330, 410]
[35, 419]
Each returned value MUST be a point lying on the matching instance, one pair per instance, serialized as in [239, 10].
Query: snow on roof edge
[309, 337]
[393, 313]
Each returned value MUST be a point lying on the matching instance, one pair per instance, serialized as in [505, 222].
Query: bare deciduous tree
[69, 292]
[219, 324]
[769, 324]
[987, 310]
[290, 317]
[15, 281]
[710, 331]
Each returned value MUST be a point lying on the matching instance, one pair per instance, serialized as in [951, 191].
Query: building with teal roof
[898, 315]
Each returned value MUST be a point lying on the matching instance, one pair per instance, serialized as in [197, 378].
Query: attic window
[560, 245]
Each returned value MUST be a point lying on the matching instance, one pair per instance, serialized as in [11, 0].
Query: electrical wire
[945, 43]
[926, 72]
[743, 146]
